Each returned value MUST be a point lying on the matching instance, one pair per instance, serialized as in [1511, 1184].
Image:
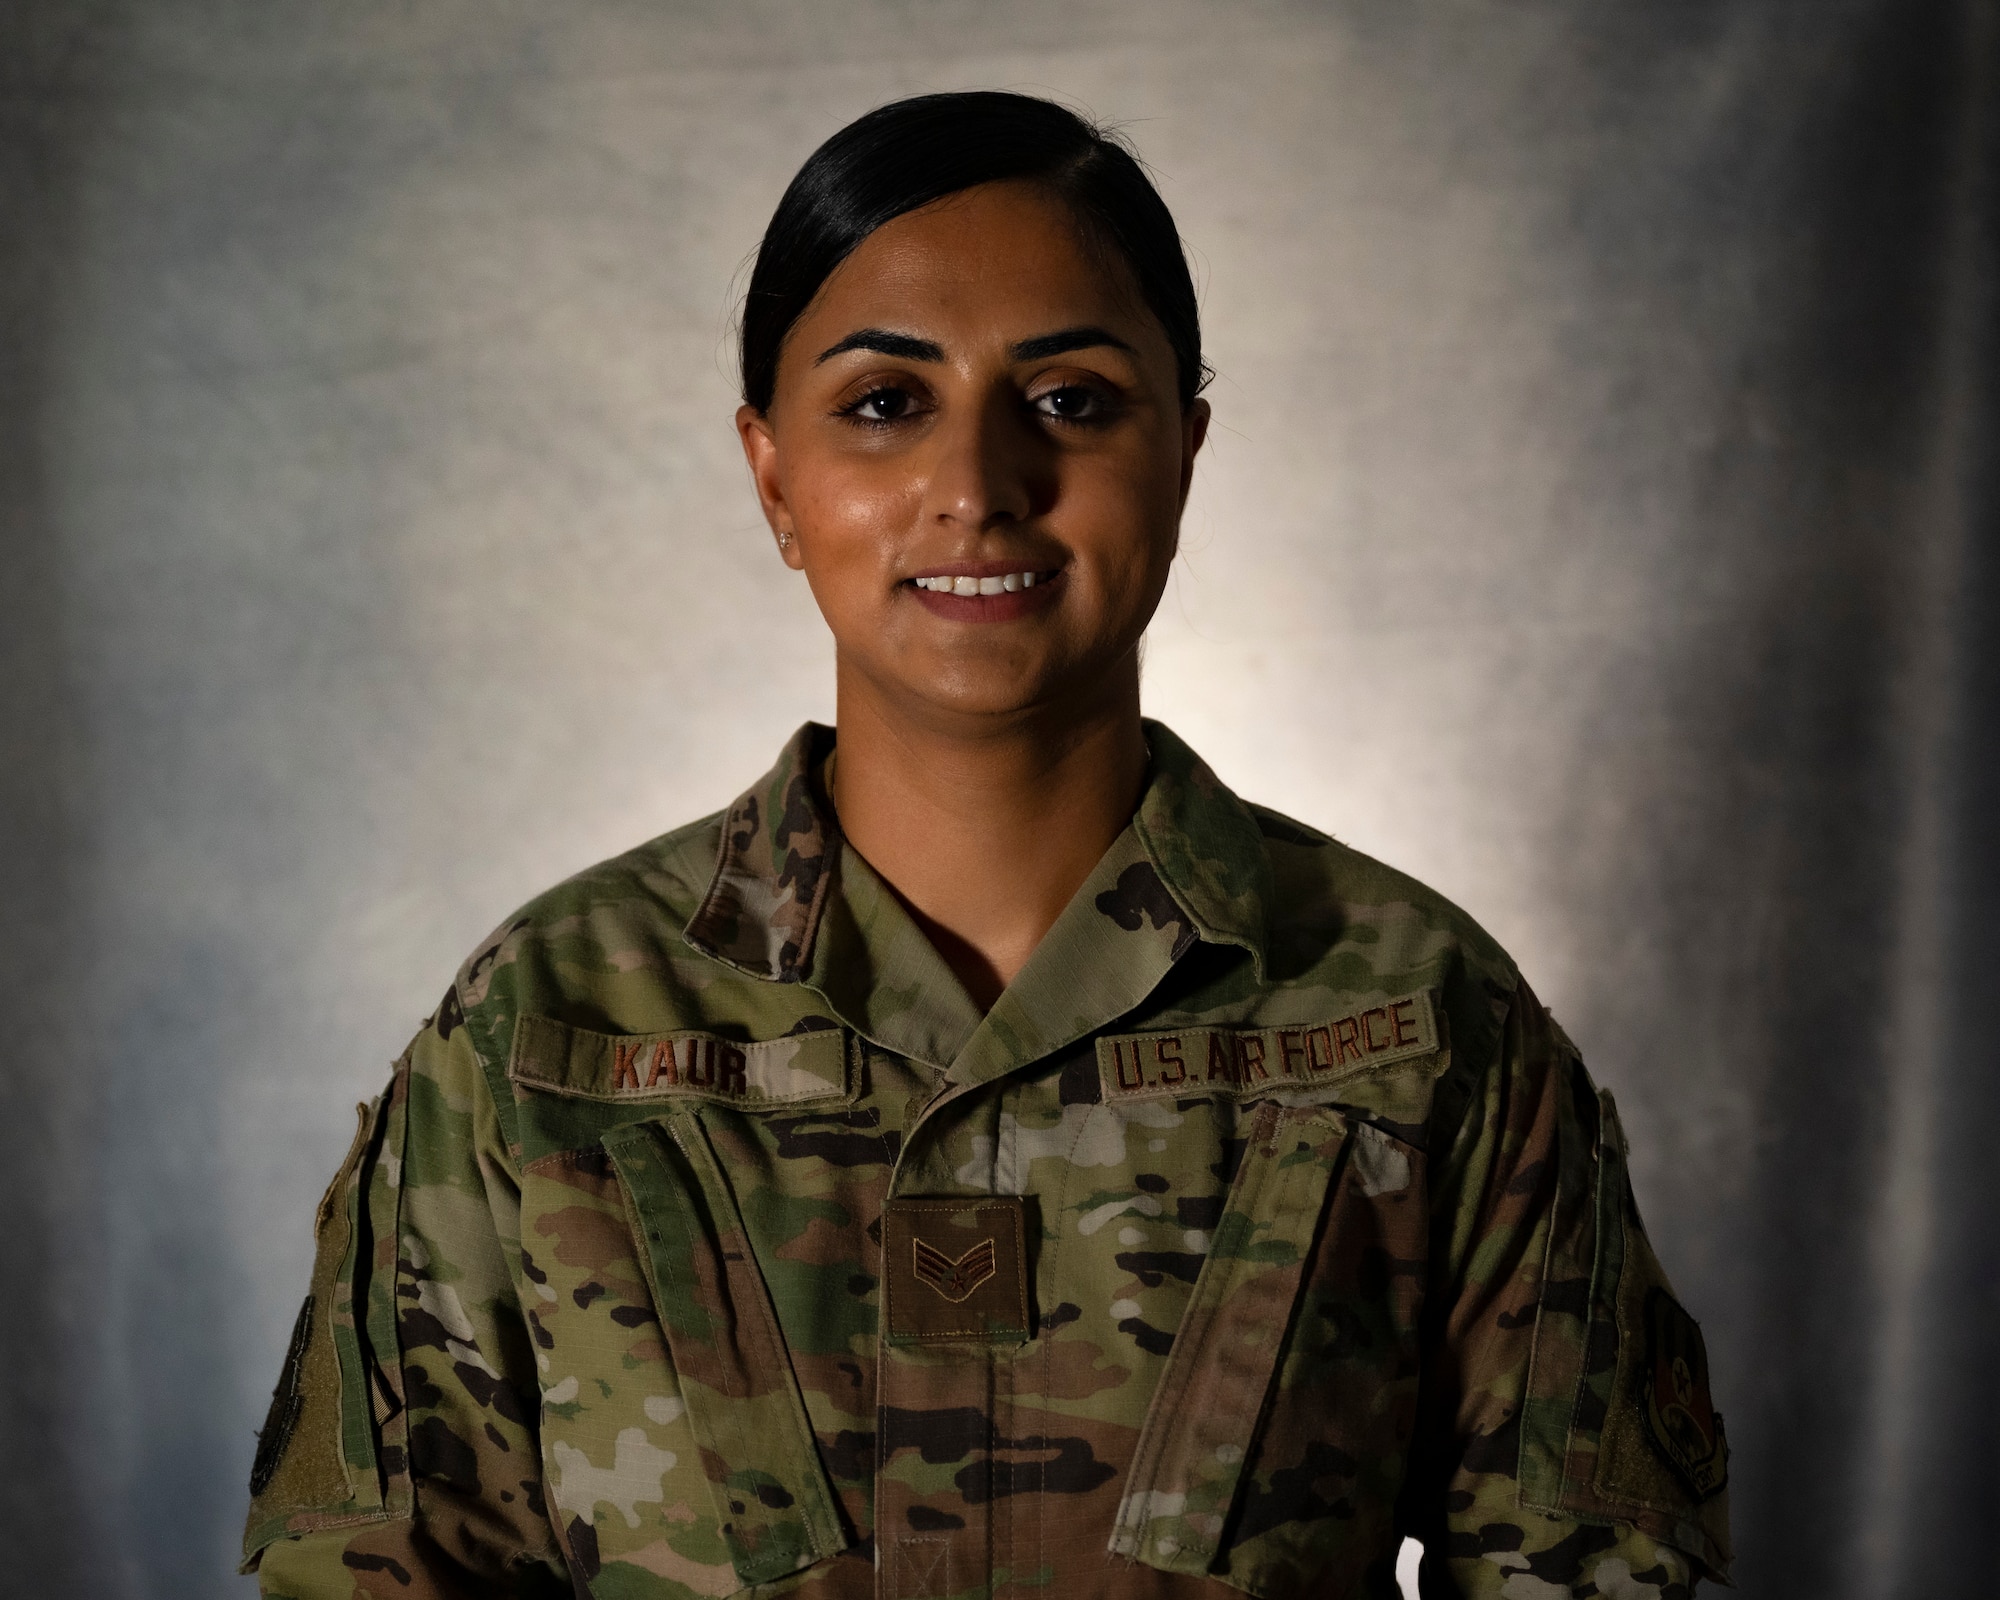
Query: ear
[1194, 432]
[760, 449]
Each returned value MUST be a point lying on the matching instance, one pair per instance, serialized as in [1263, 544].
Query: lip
[986, 607]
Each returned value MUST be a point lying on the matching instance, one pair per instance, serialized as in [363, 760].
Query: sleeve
[401, 1455]
[1567, 1444]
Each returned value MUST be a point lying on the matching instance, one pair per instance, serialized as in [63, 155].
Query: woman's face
[977, 454]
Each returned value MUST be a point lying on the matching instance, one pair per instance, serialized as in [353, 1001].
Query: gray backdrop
[1598, 524]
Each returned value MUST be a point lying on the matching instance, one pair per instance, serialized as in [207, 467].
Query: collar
[780, 841]
[790, 903]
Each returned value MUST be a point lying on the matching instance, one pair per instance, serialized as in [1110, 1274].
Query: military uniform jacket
[710, 1241]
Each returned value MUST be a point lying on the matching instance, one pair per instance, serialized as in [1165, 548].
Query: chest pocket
[675, 1436]
[722, 1332]
[1273, 1449]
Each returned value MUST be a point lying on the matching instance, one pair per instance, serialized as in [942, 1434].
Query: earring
[784, 541]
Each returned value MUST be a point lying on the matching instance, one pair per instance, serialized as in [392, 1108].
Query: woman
[990, 1156]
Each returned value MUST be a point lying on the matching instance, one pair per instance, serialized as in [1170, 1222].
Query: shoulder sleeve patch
[799, 1069]
[1245, 1062]
[1681, 1420]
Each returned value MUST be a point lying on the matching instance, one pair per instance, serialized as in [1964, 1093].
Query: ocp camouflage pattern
[709, 1240]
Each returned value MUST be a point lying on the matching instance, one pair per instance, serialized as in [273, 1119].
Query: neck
[986, 827]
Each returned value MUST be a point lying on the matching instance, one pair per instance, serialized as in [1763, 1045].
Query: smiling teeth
[1008, 583]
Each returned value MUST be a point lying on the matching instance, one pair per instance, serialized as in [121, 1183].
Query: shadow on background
[45, 1325]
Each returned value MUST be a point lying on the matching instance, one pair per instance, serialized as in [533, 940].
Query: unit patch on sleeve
[797, 1069]
[1243, 1062]
[1681, 1421]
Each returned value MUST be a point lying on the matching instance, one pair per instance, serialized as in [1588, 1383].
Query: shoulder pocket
[317, 1463]
[1617, 1420]
[1271, 1452]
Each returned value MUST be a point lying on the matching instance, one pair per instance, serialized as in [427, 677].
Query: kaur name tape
[798, 1068]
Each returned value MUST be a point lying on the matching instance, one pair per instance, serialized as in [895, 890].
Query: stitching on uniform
[322, 1521]
[938, 1565]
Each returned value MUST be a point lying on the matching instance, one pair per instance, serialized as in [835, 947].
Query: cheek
[1129, 512]
[844, 505]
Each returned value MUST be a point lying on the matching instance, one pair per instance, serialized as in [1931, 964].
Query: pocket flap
[771, 1495]
[1200, 1431]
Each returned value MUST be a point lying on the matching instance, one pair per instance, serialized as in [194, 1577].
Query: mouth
[984, 591]
[965, 585]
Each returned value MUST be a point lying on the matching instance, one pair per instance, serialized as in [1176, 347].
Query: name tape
[559, 1059]
[1248, 1061]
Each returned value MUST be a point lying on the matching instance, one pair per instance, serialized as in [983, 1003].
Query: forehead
[1002, 253]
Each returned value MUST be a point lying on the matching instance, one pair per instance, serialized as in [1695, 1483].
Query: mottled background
[1599, 524]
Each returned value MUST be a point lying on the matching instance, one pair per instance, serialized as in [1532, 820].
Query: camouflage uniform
[710, 1240]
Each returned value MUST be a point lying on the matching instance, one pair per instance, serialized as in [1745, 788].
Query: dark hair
[905, 155]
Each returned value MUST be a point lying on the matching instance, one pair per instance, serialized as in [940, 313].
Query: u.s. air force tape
[798, 1068]
[1246, 1061]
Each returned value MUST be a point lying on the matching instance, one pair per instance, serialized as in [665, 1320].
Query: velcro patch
[1244, 1062]
[796, 1070]
[956, 1270]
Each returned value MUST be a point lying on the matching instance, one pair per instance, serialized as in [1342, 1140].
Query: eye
[886, 404]
[1073, 402]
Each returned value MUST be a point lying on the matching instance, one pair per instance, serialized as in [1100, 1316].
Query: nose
[985, 469]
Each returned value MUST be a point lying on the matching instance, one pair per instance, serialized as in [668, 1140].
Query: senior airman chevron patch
[955, 1280]
[956, 1270]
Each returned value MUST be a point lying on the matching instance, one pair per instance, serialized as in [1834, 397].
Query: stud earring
[784, 541]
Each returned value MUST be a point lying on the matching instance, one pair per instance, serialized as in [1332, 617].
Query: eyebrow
[907, 347]
[1061, 343]
[883, 343]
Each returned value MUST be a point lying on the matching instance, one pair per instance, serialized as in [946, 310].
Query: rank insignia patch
[955, 1280]
[956, 1270]
[1681, 1421]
